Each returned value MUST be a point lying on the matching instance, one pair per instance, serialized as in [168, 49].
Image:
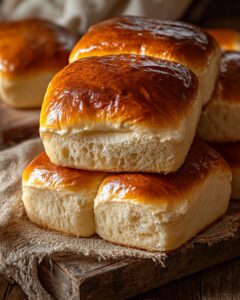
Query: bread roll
[219, 120]
[171, 40]
[231, 152]
[161, 212]
[120, 113]
[31, 52]
[228, 39]
[60, 198]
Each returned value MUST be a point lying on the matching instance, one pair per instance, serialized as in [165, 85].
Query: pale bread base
[219, 122]
[135, 224]
[207, 79]
[68, 212]
[26, 91]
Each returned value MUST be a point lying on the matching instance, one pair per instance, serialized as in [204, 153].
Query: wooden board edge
[139, 276]
[129, 277]
[3, 287]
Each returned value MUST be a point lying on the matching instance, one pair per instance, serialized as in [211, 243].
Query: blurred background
[78, 15]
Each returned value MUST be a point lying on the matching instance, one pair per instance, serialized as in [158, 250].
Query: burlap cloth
[23, 245]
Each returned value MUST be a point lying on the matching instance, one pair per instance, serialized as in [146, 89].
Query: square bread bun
[120, 113]
[32, 51]
[228, 39]
[231, 153]
[219, 121]
[60, 198]
[171, 40]
[161, 212]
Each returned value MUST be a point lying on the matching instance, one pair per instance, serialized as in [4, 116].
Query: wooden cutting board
[74, 278]
[17, 124]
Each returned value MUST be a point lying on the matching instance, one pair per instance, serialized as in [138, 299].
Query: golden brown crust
[230, 151]
[168, 189]
[120, 92]
[33, 44]
[228, 39]
[171, 40]
[41, 172]
[228, 85]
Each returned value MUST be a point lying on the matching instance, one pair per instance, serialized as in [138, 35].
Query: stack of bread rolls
[118, 126]
[32, 51]
[220, 120]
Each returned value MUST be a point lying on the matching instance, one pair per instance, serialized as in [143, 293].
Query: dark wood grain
[3, 287]
[222, 282]
[14, 293]
[90, 279]
[188, 288]
[9, 291]
[17, 125]
[219, 282]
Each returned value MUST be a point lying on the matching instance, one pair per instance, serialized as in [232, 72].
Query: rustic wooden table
[219, 282]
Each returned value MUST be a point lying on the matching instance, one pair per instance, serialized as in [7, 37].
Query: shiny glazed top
[228, 39]
[41, 172]
[166, 190]
[230, 151]
[33, 44]
[227, 88]
[119, 93]
[171, 40]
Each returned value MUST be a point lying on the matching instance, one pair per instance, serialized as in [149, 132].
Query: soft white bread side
[25, 91]
[231, 153]
[67, 212]
[219, 121]
[60, 198]
[121, 114]
[122, 151]
[161, 212]
[208, 79]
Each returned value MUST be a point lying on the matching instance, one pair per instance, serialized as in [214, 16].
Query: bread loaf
[161, 212]
[171, 40]
[60, 198]
[220, 117]
[148, 211]
[121, 113]
[31, 52]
